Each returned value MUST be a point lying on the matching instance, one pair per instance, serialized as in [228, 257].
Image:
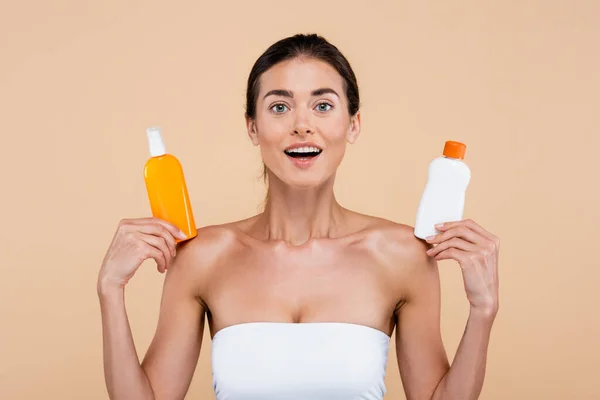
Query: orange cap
[455, 150]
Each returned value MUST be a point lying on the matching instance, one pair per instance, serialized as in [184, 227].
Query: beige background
[517, 81]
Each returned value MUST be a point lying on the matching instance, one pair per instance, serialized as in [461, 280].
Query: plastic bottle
[443, 199]
[166, 187]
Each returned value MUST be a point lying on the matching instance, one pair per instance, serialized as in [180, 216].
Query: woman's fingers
[453, 253]
[461, 231]
[456, 243]
[175, 231]
[158, 256]
[158, 234]
[159, 250]
[159, 230]
[472, 225]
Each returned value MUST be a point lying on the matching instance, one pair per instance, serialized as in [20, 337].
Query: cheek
[334, 130]
[334, 133]
[271, 131]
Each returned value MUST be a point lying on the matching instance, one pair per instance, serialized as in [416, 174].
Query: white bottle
[443, 199]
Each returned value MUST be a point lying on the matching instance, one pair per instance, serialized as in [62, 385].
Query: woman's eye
[323, 107]
[279, 108]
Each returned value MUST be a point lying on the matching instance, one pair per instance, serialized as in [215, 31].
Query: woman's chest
[308, 285]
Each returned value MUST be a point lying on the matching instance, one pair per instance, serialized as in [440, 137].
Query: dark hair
[301, 45]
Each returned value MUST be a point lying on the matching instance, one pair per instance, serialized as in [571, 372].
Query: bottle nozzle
[155, 142]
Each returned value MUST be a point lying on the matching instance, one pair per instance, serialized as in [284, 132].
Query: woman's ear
[252, 131]
[354, 129]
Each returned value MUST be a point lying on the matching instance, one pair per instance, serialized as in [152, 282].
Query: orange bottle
[165, 183]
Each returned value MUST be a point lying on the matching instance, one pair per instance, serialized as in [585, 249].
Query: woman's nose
[301, 123]
[302, 130]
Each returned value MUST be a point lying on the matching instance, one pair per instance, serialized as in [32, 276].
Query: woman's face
[302, 102]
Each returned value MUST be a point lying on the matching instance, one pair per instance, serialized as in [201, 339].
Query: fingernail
[438, 226]
[428, 238]
[182, 235]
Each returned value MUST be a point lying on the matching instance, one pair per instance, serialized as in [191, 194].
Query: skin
[304, 259]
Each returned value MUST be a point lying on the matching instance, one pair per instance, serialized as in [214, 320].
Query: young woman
[301, 299]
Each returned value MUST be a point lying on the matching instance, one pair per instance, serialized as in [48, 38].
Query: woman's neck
[298, 215]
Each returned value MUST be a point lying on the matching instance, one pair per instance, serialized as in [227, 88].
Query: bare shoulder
[392, 239]
[214, 243]
[395, 247]
[400, 256]
[209, 244]
[198, 258]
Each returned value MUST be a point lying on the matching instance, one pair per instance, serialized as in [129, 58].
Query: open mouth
[303, 152]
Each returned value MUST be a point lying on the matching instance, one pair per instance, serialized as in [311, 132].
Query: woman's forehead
[301, 76]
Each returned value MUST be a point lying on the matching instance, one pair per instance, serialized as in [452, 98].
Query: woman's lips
[303, 162]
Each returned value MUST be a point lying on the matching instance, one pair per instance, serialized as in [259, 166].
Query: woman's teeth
[303, 152]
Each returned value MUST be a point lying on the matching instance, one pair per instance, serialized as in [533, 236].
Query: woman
[301, 299]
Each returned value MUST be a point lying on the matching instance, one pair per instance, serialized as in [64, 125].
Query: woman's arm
[465, 378]
[168, 367]
[477, 252]
[122, 372]
[421, 357]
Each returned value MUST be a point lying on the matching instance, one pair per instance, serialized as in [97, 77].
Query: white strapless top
[299, 361]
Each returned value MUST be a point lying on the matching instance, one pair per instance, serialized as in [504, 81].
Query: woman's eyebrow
[279, 92]
[321, 91]
[287, 93]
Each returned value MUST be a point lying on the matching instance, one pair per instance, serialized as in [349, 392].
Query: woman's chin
[305, 181]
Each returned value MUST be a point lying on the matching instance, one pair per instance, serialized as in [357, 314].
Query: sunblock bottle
[443, 199]
[165, 183]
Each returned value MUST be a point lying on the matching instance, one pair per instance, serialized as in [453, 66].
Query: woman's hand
[476, 250]
[135, 241]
